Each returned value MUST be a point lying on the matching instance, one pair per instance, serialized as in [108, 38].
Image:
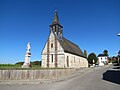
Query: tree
[19, 63]
[119, 52]
[109, 59]
[92, 57]
[105, 52]
[38, 63]
[114, 59]
[85, 53]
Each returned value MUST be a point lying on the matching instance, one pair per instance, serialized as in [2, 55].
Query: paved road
[90, 80]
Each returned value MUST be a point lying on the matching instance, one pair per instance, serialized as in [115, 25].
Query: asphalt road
[98, 79]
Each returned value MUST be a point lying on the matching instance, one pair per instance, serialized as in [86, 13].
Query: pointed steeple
[55, 27]
[56, 19]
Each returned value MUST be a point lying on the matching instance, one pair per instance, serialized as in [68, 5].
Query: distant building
[102, 59]
[60, 52]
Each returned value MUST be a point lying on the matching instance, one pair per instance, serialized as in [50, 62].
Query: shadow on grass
[112, 76]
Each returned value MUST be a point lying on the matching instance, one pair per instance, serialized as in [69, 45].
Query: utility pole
[118, 53]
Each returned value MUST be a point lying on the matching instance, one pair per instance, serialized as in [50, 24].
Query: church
[60, 52]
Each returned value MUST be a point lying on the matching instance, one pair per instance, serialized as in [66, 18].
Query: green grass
[18, 67]
[8, 66]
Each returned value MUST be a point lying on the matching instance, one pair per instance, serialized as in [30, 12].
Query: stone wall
[75, 61]
[52, 53]
[34, 74]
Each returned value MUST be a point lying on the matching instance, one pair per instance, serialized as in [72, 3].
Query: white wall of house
[102, 60]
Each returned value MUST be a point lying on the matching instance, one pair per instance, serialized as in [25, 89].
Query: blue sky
[91, 24]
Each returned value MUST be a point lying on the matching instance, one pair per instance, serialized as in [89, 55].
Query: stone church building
[60, 52]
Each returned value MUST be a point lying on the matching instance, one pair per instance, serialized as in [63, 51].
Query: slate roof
[101, 55]
[56, 19]
[70, 47]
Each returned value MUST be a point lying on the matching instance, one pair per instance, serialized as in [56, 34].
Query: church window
[51, 28]
[55, 28]
[79, 60]
[52, 58]
[74, 59]
[52, 45]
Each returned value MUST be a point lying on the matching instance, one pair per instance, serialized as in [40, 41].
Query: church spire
[56, 19]
[55, 27]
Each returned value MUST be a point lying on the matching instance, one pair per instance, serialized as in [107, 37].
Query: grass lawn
[18, 67]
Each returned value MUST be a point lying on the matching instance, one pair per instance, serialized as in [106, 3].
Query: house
[102, 59]
[60, 52]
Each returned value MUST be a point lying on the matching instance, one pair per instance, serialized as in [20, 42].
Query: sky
[91, 24]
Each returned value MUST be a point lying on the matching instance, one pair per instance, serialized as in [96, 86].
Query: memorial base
[26, 65]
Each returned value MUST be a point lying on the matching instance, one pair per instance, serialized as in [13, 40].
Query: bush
[92, 57]
[19, 63]
[36, 63]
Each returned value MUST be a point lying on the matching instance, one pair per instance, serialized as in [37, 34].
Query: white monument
[27, 64]
[93, 62]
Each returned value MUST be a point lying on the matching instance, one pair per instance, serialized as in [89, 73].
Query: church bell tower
[55, 27]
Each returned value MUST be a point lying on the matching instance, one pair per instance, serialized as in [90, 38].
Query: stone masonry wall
[34, 74]
[75, 61]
